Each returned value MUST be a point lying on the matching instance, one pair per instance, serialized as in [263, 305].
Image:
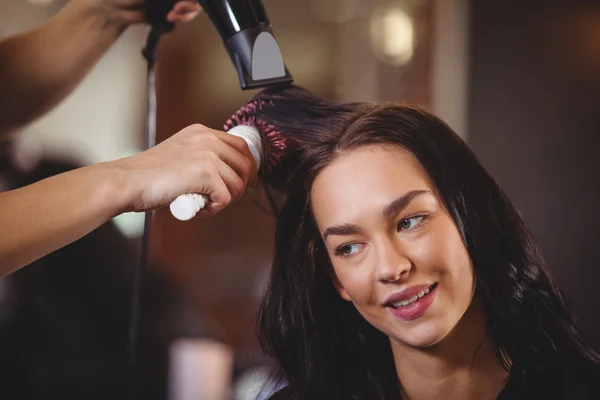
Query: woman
[402, 270]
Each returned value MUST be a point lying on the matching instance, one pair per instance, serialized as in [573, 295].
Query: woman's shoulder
[582, 382]
[553, 385]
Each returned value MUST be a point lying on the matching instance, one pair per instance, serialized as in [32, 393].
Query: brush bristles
[274, 141]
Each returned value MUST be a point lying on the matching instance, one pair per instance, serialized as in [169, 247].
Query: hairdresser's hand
[184, 11]
[35, 77]
[127, 12]
[195, 160]
[58, 210]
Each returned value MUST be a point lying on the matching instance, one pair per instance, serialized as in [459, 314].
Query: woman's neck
[462, 366]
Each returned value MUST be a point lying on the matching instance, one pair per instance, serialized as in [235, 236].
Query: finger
[240, 145]
[234, 183]
[218, 199]
[234, 141]
[132, 16]
[129, 4]
[182, 18]
[184, 11]
[241, 162]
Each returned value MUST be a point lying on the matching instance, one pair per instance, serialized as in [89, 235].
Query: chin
[422, 336]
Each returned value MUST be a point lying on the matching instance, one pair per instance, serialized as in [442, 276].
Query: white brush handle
[186, 206]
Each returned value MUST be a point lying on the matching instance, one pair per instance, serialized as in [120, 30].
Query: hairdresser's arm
[40, 218]
[41, 67]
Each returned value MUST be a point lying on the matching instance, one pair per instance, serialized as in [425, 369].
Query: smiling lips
[411, 303]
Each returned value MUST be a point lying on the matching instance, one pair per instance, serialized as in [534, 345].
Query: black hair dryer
[246, 33]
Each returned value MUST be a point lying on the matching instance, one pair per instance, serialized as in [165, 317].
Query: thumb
[184, 11]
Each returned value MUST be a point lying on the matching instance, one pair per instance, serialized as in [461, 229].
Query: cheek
[443, 253]
[356, 282]
[456, 266]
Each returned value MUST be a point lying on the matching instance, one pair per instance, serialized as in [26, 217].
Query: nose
[393, 264]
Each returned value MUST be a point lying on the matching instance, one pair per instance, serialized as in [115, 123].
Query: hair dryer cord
[149, 53]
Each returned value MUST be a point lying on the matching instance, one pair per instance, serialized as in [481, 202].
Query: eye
[348, 250]
[411, 222]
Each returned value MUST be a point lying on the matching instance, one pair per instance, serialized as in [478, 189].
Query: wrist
[115, 187]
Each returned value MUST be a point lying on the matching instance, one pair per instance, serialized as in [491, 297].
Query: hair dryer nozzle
[246, 32]
[257, 58]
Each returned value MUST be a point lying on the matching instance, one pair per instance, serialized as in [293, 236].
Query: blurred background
[519, 80]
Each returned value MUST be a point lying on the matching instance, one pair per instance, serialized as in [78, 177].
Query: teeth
[412, 299]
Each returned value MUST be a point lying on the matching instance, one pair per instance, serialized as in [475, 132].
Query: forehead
[365, 180]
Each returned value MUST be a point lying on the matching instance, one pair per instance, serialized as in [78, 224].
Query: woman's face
[396, 252]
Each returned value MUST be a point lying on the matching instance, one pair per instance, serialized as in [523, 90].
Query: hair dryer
[247, 36]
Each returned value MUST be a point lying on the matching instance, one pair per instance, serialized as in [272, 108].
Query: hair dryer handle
[187, 205]
[156, 14]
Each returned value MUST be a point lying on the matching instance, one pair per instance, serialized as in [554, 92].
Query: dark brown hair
[325, 349]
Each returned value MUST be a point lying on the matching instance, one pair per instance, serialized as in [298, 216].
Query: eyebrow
[344, 229]
[389, 211]
[401, 202]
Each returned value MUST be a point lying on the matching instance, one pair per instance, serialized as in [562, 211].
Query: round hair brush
[265, 142]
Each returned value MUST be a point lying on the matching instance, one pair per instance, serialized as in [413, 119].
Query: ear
[340, 289]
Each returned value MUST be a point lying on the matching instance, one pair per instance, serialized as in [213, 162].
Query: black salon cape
[552, 386]
[545, 386]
